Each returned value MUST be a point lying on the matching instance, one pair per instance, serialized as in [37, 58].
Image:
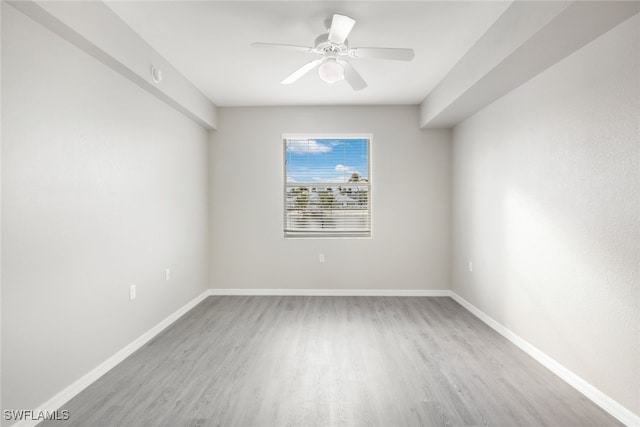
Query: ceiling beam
[94, 28]
[528, 38]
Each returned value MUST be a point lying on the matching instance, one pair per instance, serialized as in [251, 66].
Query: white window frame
[326, 234]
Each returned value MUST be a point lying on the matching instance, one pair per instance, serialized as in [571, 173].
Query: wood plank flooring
[330, 361]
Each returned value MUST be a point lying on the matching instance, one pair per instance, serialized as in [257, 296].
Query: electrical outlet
[321, 258]
[167, 274]
[132, 292]
[470, 266]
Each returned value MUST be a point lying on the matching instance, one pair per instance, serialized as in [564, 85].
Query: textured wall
[546, 185]
[409, 248]
[103, 186]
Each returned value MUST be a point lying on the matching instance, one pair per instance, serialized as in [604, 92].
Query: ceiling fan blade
[341, 26]
[283, 47]
[397, 54]
[301, 71]
[352, 76]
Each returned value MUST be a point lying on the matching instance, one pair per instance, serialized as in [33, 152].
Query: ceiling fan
[333, 48]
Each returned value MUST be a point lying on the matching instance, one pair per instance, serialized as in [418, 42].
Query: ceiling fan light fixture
[330, 71]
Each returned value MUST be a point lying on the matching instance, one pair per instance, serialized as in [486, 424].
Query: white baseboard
[336, 292]
[70, 392]
[621, 413]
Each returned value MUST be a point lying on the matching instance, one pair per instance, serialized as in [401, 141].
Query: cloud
[307, 146]
[290, 179]
[342, 168]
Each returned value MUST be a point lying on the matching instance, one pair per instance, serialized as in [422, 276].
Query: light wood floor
[330, 361]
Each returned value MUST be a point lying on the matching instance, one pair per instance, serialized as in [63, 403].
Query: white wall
[103, 186]
[410, 175]
[546, 185]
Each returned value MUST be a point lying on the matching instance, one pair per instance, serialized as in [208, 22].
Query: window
[327, 187]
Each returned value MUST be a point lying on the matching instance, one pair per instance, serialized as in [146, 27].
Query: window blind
[327, 187]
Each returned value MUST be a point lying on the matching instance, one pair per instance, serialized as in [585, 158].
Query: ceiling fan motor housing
[324, 46]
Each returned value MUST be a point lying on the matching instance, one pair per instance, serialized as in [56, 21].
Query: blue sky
[325, 160]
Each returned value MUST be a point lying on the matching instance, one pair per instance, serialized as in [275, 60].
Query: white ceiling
[209, 43]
